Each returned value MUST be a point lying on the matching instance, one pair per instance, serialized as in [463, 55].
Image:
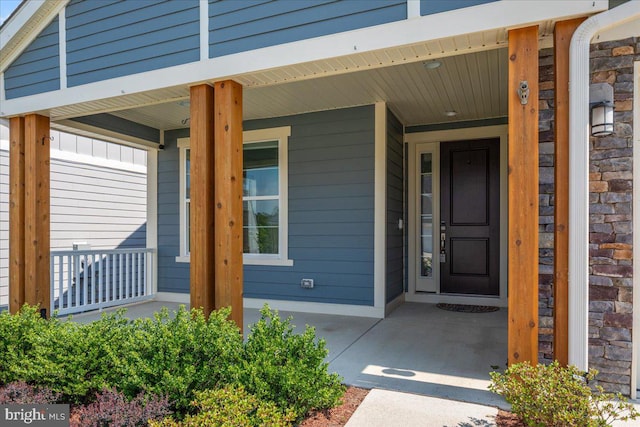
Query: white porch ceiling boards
[473, 85]
[469, 82]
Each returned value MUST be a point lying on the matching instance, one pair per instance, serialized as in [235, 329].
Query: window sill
[268, 261]
[249, 261]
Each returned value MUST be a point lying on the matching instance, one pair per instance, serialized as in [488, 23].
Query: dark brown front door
[470, 217]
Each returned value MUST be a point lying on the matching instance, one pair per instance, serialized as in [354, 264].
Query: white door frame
[420, 284]
[418, 141]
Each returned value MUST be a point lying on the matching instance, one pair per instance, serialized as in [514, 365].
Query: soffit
[470, 82]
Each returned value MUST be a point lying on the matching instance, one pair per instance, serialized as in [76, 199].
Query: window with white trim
[264, 198]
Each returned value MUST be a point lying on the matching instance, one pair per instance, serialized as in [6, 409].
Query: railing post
[76, 279]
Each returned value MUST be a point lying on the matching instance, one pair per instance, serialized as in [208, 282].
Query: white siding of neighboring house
[98, 196]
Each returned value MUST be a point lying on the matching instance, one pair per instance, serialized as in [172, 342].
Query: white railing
[95, 279]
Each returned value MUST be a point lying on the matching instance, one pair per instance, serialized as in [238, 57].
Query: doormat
[462, 308]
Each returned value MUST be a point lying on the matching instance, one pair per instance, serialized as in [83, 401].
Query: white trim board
[62, 47]
[380, 207]
[395, 303]
[152, 212]
[69, 156]
[204, 29]
[178, 297]
[476, 19]
[317, 307]
[413, 9]
[413, 139]
[295, 306]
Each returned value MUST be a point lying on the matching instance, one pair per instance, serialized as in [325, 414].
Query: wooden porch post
[202, 201]
[16, 214]
[37, 212]
[228, 197]
[523, 196]
[562, 40]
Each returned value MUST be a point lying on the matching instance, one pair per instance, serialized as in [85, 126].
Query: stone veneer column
[610, 226]
[546, 205]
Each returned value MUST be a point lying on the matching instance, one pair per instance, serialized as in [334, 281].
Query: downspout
[579, 76]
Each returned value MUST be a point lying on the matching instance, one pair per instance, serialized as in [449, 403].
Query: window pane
[261, 226]
[426, 216]
[187, 169]
[260, 169]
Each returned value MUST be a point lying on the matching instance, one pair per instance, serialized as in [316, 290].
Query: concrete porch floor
[418, 348]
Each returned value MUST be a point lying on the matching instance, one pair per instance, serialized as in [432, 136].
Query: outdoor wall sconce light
[601, 102]
[602, 119]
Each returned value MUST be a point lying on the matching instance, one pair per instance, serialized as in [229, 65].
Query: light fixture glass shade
[602, 119]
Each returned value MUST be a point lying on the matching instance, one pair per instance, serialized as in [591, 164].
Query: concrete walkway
[383, 408]
[421, 349]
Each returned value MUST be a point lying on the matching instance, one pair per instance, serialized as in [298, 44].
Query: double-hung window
[264, 197]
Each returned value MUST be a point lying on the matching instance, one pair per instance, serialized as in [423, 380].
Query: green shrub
[231, 406]
[169, 355]
[552, 395]
[166, 355]
[180, 354]
[287, 368]
[66, 357]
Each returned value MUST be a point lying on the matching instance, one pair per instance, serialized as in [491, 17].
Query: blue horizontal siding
[110, 39]
[331, 218]
[457, 125]
[172, 276]
[37, 69]
[395, 208]
[331, 221]
[120, 125]
[429, 7]
[236, 26]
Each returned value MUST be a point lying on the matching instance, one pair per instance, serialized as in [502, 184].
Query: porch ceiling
[471, 81]
[473, 85]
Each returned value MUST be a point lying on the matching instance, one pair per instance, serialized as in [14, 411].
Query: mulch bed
[338, 416]
[507, 419]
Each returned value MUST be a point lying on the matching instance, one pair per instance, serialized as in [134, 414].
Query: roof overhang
[473, 29]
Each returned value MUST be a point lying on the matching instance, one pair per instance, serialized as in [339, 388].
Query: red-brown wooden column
[202, 201]
[16, 214]
[523, 196]
[37, 212]
[228, 197]
[562, 41]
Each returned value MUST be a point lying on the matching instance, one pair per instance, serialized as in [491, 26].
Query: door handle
[443, 239]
